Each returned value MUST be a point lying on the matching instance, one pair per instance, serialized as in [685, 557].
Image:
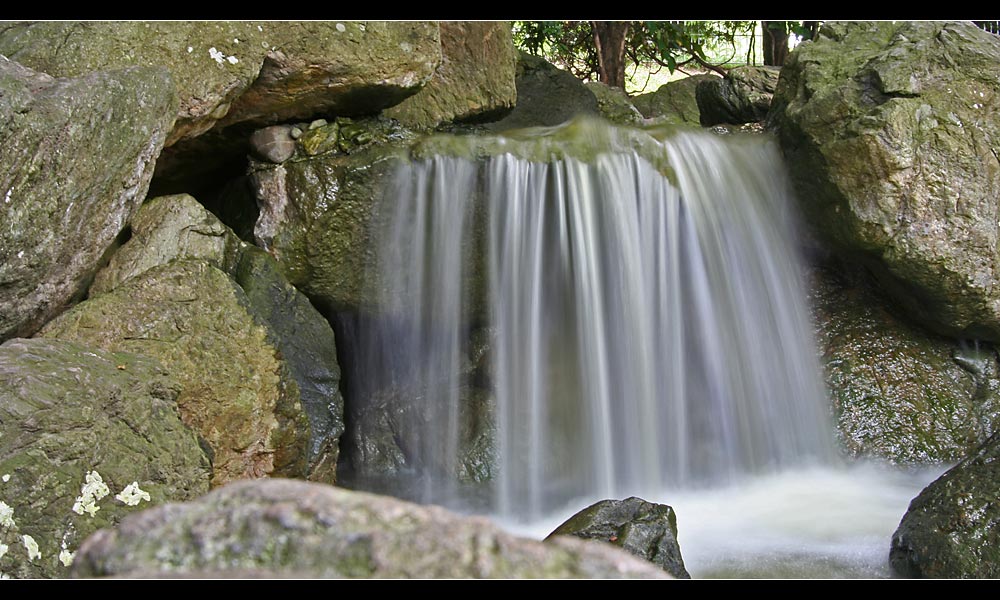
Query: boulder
[474, 82]
[67, 410]
[899, 392]
[546, 96]
[177, 227]
[285, 526]
[237, 392]
[614, 104]
[742, 96]
[674, 103]
[75, 163]
[950, 530]
[888, 129]
[644, 529]
[230, 72]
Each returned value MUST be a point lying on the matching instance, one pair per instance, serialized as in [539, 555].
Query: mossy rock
[285, 526]
[75, 163]
[888, 131]
[67, 409]
[674, 103]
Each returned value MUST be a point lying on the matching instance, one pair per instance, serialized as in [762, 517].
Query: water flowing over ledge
[642, 293]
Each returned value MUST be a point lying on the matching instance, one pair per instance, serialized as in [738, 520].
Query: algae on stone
[67, 409]
[75, 163]
[289, 527]
[888, 129]
[236, 391]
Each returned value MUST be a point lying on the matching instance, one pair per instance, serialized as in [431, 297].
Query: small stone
[296, 133]
[317, 123]
[274, 144]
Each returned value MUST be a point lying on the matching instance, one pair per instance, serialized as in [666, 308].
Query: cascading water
[649, 327]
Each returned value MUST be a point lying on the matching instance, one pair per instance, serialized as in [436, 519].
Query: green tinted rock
[900, 393]
[546, 95]
[307, 528]
[261, 72]
[67, 409]
[644, 529]
[888, 130]
[675, 102]
[952, 529]
[475, 81]
[614, 104]
[75, 163]
[237, 391]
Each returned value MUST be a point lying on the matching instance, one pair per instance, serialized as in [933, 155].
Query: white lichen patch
[232, 60]
[31, 546]
[132, 495]
[190, 49]
[3, 549]
[93, 490]
[6, 515]
[341, 28]
[5, 478]
[216, 55]
[6, 197]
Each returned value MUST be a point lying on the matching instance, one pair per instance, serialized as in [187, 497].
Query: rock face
[888, 131]
[321, 531]
[75, 164]
[316, 217]
[950, 530]
[475, 81]
[234, 72]
[68, 409]
[177, 227]
[899, 392]
[645, 529]
[236, 392]
[742, 96]
[675, 102]
[614, 104]
[546, 95]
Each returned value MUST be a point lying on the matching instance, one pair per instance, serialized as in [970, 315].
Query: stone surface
[952, 529]
[322, 531]
[260, 72]
[474, 82]
[177, 227]
[237, 391]
[75, 163]
[317, 215]
[546, 96]
[674, 103]
[900, 393]
[614, 104]
[742, 96]
[67, 409]
[274, 143]
[644, 529]
[888, 129]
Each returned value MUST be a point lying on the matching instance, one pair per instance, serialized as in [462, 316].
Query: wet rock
[887, 130]
[67, 409]
[900, 393]
[644, 529]
[951, 529]
[321, 531]
[75, 163]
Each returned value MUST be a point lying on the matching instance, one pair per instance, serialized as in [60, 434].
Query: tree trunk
[775, 42]
[609, 38]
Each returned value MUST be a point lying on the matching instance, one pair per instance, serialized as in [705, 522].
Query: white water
[650, 335]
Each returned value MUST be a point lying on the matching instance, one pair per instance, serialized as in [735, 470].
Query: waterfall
[640, 296]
